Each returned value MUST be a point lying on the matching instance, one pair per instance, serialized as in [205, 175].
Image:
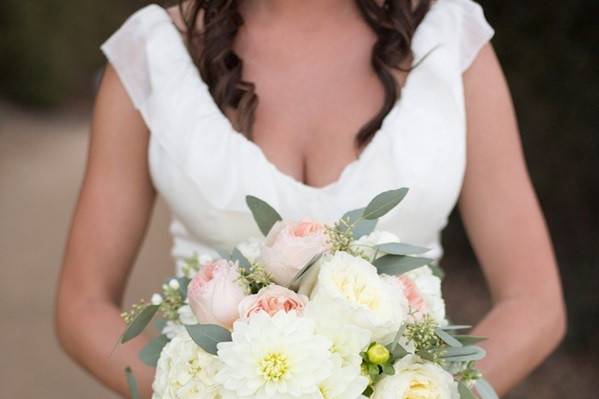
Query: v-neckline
[244, 140]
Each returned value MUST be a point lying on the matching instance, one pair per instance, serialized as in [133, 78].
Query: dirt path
[41, 166]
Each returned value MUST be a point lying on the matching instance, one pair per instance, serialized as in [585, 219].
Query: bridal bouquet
[340, 311]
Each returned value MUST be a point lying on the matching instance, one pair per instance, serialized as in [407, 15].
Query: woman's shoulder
[460, 25]
[148, 49]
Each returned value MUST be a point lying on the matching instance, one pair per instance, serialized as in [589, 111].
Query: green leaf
[463, 354]
[264, 215]
[183, 283]
[208, 335]
[360, 226]
[399, 248]
[297, 278]
[448, 338]
[237, 256]
[160, 324]
[465, 392]
[485, 390]
[131, 383]
[151, 352]
[399, 264]
[383, 203]
[388, 369]
[396, 349]
[437, 271]
[456, 327]
[373, 370]
[469, 339]
[139, 323]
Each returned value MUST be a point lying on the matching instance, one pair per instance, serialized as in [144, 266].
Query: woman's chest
[313, 99]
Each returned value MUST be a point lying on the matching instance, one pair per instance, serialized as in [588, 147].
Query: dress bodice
[204, 169]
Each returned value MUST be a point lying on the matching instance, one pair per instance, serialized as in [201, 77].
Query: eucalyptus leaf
[396, 348]
[383, 203]
[297, 278]
[264, 214]
[456, 327]
[360, 226]
[399, 248]
[238, 256]
[139, 323]
[399, 264]
[183, 283]
[465, 392]
[463, 354]
[208, 336]
[485, 390]
[448, 338]
[133, 390]
[160, 324]
[469, 339]
[437, 271]
[151, 352]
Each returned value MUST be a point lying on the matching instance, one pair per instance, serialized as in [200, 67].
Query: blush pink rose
[290, 245]
[417, 306]
[214, 293]
[272, 299]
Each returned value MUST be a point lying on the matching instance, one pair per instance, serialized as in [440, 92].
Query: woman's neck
[297, 11]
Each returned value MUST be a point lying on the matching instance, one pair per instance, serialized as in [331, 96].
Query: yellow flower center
[357, 291]
[324, 392]
[420, 390]
[274, 366]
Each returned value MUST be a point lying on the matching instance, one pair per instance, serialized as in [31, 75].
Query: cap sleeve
[473, 31]
[126, 50]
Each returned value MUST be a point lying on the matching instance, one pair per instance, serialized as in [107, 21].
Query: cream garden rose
[214, 293]
[289, 246]
[272, 299]
[415, 378]
[375, 305]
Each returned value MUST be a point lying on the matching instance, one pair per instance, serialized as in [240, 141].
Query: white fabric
[204, 168]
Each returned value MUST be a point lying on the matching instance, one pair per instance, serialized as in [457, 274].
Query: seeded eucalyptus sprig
[254, 278]
[129, 315]
[172, 299]
[191, 265]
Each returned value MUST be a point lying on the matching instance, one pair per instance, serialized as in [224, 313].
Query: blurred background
[50, 64]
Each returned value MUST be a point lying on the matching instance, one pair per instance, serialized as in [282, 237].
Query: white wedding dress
[204, 169]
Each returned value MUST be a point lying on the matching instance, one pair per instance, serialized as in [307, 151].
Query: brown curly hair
[394, 22]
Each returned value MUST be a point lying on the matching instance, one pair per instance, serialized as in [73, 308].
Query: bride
[314, 106]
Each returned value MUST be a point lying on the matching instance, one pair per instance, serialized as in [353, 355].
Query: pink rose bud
[289, 246]
[214, 293]
[272, 299]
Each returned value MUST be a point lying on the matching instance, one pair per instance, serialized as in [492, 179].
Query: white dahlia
[333, 320]
[344, 383]
[277, 356]
[375, 304]
[185, 371]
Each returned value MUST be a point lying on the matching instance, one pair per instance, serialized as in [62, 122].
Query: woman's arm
[109, 224]
[508, 234]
